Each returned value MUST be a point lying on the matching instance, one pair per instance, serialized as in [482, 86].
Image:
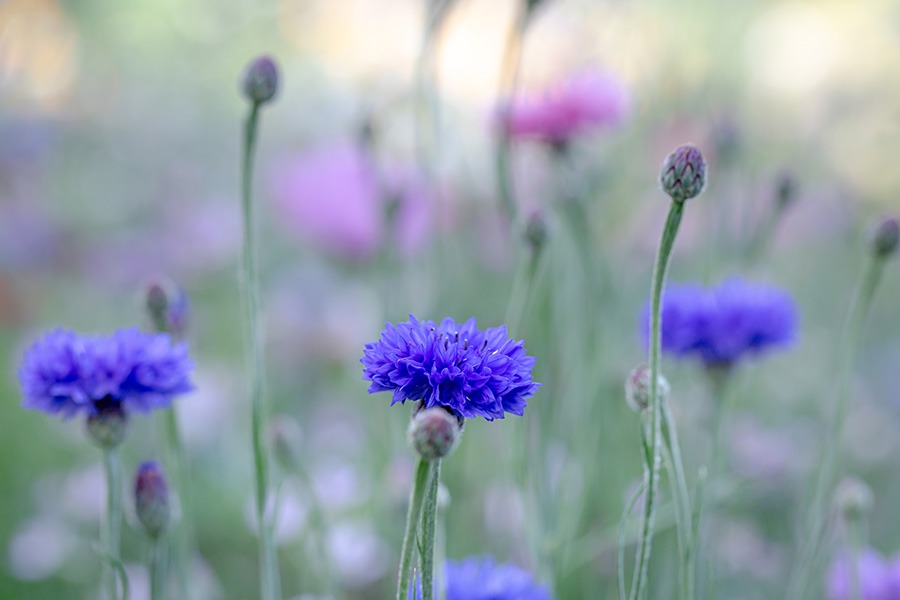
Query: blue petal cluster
[477, 578]
[67, 373]
[471, 372]
[723, 324]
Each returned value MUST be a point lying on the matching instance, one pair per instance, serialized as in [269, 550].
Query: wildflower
[333, 197]
[482, 579]
[151, 498]
[873, 576]
[587, 101]
[471, 372]
[259, 83]
[67, 373]
[723, 324]
[683, 173]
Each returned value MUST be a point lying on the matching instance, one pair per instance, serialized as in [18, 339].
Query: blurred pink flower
[588, 100]
[338, 199]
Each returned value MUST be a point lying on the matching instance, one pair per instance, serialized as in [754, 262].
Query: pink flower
[336, 198]
[589, 100]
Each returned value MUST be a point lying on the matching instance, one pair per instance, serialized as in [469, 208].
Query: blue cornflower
[721, 325]
[67, 373]
[471, 372]
[481, 578]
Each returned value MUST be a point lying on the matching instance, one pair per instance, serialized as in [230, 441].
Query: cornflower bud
[167, 306]
[683, 173]
[886, 237]
[108, 424]
[260, 81]
[433, 433]
[151, 498]
[637, 388]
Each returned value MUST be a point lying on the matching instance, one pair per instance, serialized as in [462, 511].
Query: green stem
[409, 535]
[667, 241]
[180, 533]
[683, 514]
[109, 533]
[829, 466]
[157, 569]
[270, 586]
[429, 518]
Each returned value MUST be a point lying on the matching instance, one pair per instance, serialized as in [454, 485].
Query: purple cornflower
[477, 578]
[67, 373]
[721, 325]
[589, 100]
[874, 576]
[471, 372]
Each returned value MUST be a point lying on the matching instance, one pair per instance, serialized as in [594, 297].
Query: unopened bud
[683, 173]
[167, 306]
[536, 230]
[260, 80]
[637, 388]
[886, 237]
[433, 433]
[853, 498]
[108, 425]
[151, 498]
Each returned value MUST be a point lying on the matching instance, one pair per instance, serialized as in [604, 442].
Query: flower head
[471, 372]
[67, 373]
[872, 570]
[477, 578]
[589, 100]
[721, 325]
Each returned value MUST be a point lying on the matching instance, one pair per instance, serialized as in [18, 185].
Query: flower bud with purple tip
[260, 81]
[151, 498]
[885, 238]
[637, 388]
[434, 432]
[683, 173]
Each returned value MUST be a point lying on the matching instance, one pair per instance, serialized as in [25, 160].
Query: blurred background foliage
[119, 149]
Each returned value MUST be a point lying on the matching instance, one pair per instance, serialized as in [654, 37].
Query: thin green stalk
[683, 514]
[157, 569]
[270, 585]
[416, 498]
[180, 533]
[667, 241]
[429, 517]
[829, 466]
[109, 533]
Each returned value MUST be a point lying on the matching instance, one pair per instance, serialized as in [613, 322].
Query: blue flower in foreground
[481, 579]
[721, 325]
[67, 373]
[471, 372]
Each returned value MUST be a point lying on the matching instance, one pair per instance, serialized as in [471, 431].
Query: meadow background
[119, 162]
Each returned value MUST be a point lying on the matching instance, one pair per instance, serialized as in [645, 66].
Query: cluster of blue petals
[474, 373]
[877, 576]
[480, 578]
[724, 324]
[67, 373]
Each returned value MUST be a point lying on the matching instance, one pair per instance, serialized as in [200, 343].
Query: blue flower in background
[471, 372]
[67, 373]
[482, 579]
[723, 324]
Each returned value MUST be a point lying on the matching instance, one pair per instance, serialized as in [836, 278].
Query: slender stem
[409, 535]
[180, 533]
[157, 569]
[109, 533]
[667, 241]
[829, 466]
[429, 517]
[270, 586]
[622, 538]
[683, 513]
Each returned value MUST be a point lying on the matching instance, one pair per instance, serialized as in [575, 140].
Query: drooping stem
[270, 586]
[660, 268]
[830, 466]
[416, 498]
[429, 519]
[109, 533]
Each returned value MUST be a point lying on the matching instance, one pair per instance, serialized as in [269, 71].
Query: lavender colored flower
[873, 575]
[471, 372]
[336, 198]
[721, 325]
[477, 578]
[587, 101]
[67, 373]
